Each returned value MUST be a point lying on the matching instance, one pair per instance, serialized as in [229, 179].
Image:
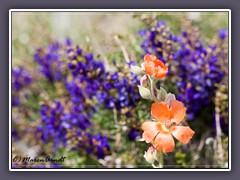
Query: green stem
[152, 88]
[161, 159]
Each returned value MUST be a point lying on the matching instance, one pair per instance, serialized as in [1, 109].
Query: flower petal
[149, 67]
[160, 73]
[161, 70]
[151, 129]
[149, 57]
[183, 133]
[178, 111]
[160, 111]
[164, 142]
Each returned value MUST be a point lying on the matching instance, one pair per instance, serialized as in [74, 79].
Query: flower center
[168, 125]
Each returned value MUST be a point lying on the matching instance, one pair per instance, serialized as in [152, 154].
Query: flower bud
[149, 155]
[169, 98]
[144, 81]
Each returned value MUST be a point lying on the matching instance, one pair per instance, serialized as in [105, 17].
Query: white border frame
[117, 10]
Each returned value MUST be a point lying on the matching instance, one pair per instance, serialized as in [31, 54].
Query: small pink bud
[144, 81]
[169, 98]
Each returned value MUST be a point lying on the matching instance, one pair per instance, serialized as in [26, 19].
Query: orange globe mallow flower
[160, 133]
[154, 67]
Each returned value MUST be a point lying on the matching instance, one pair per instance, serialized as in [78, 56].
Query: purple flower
[222, 34]
[196, 70]
[50, 63]
[20, 79]
[133, 134]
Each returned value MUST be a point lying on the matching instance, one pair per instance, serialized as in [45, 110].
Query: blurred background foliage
[82, 101]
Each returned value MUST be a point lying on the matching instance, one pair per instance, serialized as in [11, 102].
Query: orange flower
[154, 67]
[160, 132]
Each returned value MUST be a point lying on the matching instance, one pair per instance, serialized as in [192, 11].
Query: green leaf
[136, 70]
[161, 94]
[145, 93]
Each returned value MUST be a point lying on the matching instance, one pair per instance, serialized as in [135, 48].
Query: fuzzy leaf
[161, 94]
[136, 70]
[144, 92]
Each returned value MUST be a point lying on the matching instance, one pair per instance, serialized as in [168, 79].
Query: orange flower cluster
[168, 114]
